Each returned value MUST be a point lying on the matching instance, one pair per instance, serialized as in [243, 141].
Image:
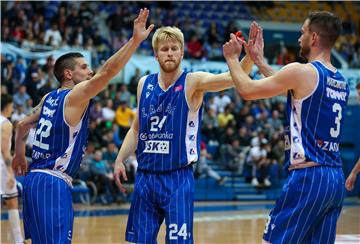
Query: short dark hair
[326, 25]
[5, 100]
[66, 61]
[358, 85]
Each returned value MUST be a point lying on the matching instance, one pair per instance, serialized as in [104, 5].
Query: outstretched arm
[350, 181]
[84, 91]
[286, 79]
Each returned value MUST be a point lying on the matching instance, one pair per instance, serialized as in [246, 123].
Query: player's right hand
[350, 181]
[120, 171]
[19, 165]
[140, 30]
[233, 48]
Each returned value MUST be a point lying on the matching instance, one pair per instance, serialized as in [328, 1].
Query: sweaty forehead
[306, 25]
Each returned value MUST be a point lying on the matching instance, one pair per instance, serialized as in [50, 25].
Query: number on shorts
[174, 233]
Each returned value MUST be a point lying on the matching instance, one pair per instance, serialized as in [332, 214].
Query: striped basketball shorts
[47, 209]
[308, 207]
[159, 196]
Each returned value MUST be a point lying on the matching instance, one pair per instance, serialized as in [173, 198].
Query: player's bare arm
[19, 164]
[291, 77]
[129, 144]
[80, 95]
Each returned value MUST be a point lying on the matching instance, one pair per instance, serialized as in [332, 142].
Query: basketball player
[312, 197]
[165, 134]
[60, 139]
[8, 189]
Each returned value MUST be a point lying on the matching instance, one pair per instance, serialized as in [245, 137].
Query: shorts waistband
[304, 165]
[165, 171]
[57, 174]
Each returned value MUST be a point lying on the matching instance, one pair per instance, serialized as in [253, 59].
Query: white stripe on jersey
[192, 126]
[62, 163]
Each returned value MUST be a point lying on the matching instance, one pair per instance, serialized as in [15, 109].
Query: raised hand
[140, 31]
[255, 45]
[233, 48]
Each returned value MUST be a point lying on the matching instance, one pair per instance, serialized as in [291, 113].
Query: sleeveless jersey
[57, 145]
[314, 123]
[3, 119]
[169, 132]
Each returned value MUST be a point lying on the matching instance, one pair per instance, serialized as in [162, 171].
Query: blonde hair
[167, 33]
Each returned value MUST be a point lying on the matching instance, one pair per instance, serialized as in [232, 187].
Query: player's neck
[67, 85]
[166, 79]
[323, 56]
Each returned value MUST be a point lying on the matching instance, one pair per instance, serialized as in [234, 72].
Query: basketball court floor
[215, 222]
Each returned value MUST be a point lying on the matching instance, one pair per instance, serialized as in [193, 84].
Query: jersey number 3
[334, 132]
[41, 133]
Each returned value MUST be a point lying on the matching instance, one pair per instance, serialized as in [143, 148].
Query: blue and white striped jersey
[57, 145]
[169, 132]
[315, 122]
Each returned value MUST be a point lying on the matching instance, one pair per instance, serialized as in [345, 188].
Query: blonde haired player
[165, 134]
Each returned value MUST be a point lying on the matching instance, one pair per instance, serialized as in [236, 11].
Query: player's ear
[67, 74]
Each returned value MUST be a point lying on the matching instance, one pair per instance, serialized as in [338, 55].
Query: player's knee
[265, 242]
[12, 203]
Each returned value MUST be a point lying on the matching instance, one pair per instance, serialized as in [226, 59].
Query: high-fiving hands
[140, 31]
[254, 47]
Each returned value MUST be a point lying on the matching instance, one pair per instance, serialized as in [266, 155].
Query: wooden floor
[243, 226]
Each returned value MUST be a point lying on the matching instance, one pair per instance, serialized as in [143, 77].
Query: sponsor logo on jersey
[328, 145]
[178, 88]
[161, 147]
[336, 94]
[192, 151]
[153, 136]
[150, 87]
[53, 102]
[143, 136]
[40, 155]
[192, 124]
[297, 156]
[48, 112]
[192, 137]
[296, 139]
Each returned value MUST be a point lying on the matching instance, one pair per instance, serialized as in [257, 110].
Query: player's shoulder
[297, 66]
[6, 125]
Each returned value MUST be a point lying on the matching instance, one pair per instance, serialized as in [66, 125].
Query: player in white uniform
[8, 188]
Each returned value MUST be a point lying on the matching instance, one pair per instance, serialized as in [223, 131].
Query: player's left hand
[233, 48]
[350, 181]
[140, 31]
[255, 45]
[120, 172]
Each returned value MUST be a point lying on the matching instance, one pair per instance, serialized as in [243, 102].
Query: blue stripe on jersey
[314, 123]
[169, 133]
[58, 146]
